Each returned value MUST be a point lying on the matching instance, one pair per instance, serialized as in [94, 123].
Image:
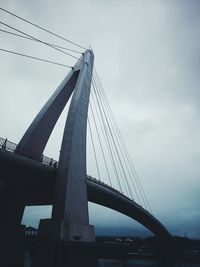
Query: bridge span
[26, 180]
[31, 176]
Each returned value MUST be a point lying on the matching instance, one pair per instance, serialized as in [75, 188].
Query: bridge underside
[33, 183]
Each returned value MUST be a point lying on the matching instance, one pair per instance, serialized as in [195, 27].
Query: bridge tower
[70, 220]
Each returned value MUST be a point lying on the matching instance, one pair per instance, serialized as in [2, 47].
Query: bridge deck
[37, 180]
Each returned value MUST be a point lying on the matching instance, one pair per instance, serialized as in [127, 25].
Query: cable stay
[93, 146]
[110, 152]
[41, 28]
[106, 127]
[36, 58]
[113, 130]
[100, 143]
[131, 166]
[110, 144]
[117, 157]
[104, 132]
[31, 39]
[141, 190]
[138, 186]
[40, 41]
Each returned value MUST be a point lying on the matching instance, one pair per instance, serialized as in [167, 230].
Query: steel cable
[31, 39]
[41, 28]
[38, 40]
[36, 58]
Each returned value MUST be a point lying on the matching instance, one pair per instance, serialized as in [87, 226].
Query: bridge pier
[49, 228]
[72, 231]
[70, 218]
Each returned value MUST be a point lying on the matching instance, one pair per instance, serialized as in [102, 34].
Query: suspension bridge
[30, 178]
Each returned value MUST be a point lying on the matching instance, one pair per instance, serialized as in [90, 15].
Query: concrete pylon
[36, 137]
[70, 220]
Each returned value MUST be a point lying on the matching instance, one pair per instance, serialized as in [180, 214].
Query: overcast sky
[147, 53]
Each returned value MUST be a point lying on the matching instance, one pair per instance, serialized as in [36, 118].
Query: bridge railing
[90, 178]
[106, 185]
[11, 147]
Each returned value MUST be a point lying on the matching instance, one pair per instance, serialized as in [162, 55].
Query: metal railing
[92, 179]
[12, 147]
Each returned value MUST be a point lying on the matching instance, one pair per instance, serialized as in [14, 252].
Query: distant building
[31, 231]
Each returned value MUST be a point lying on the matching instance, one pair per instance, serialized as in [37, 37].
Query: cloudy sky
[147, 54]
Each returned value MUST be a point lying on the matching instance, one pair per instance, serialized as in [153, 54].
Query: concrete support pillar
[70, 220]
[36, 137]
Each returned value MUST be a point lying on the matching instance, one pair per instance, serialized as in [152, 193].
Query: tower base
[59, 230]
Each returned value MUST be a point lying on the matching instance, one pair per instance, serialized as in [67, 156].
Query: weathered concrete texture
[74, 231]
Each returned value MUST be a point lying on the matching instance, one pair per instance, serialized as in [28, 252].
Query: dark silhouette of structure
[31, 231]
[26, 181]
